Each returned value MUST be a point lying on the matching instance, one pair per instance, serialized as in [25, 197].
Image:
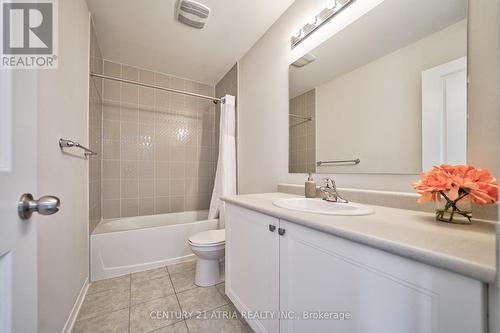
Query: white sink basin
[320, 206]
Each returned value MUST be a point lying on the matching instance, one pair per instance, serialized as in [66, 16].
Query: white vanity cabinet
[252, 264]
[305, 271]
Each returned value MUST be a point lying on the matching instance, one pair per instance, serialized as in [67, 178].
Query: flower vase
[457, 211]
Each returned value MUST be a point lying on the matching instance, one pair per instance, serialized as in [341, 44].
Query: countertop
[469, 250]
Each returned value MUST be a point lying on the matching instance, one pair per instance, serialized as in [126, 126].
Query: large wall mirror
[387, 94]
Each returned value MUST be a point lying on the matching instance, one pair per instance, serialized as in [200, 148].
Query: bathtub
[132, 244]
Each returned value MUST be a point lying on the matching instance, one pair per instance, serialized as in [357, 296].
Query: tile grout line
[155, 298]
[183, 319]
[129, 301]
[177, 298]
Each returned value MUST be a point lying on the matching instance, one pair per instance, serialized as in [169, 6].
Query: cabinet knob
[281, 231]
[272, 228]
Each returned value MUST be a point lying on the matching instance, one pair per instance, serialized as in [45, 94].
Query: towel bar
[64, 143]
[355, 161]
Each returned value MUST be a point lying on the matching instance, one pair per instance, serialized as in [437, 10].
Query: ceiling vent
[192, 13]
[304, 60]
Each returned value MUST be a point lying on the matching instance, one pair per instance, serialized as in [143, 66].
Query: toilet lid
[208, 237]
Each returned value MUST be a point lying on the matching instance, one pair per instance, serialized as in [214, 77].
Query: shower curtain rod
[107, 77]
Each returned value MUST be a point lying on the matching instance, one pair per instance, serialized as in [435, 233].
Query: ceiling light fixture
[324, 16]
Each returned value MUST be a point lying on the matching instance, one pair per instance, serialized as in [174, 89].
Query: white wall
[484, 82]
[63, 113]
[263, 102]
[386, 123]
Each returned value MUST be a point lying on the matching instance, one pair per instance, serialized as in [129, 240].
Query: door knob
[272, 228]
[46, 205]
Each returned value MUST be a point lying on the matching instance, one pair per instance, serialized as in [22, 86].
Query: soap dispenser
[310, 187]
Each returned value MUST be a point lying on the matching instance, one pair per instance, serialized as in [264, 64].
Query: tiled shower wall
[95, 132]
[159, 148]
[302, 151]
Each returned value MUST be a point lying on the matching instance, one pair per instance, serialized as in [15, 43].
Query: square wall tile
[129, 207]
[111, 189]
[159, 149]
[146, 188]
[111, 209]
[129, 188]
[112, 90]
[146, 96]
[110, 169]
[112, 68]
[146, 76]
[111, 150]
[129, 112]
[130, 93]
[162, 205]
[147, 206]
[129, 170]
[146, 169]
[130, 73]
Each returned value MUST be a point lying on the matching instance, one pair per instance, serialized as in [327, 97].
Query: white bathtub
[132, 244]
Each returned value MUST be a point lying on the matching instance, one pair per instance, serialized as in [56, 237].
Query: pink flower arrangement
[458, 182]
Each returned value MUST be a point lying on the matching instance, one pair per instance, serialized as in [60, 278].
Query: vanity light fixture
[324, 16]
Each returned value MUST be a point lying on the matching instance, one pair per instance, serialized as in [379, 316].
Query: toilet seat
[208, 238]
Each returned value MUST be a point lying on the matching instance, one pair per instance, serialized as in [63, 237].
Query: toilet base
[207, 272]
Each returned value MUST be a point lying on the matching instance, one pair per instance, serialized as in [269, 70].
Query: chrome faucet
[330, 191]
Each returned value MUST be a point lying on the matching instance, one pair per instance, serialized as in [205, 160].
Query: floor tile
[142, 291]
[201, 299]
[183, 281]
[116, 284]
[150, 274]
[179, 327]
[222, 320]
[182, 267]
[146, 317]
[100, 303]
[116, 322]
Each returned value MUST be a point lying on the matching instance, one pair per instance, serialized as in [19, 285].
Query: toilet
[209, 248]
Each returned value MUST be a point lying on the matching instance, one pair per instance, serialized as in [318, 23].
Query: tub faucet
[330, 193]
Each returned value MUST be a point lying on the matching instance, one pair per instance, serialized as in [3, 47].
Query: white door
[18, 274]
[252, 266]
[444, 114]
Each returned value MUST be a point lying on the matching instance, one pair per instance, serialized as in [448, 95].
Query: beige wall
[263, 101]
[63, 261]
[302, 133]
[388, 118]
[158, 147]
[228, 84]
[484, 87]
[95, 132]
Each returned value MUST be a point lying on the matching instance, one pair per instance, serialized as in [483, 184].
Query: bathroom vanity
[392, 271]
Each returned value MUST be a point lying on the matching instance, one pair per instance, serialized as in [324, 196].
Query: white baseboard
[68, 327]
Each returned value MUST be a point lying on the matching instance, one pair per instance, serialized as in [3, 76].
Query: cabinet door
[252, 265]
[381, 292]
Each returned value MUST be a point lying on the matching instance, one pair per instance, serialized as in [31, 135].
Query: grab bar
[355, 161]
[64, 143]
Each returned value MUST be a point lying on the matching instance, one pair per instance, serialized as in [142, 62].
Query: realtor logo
[29, 34]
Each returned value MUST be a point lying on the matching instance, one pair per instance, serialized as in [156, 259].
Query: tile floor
[162, 300]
